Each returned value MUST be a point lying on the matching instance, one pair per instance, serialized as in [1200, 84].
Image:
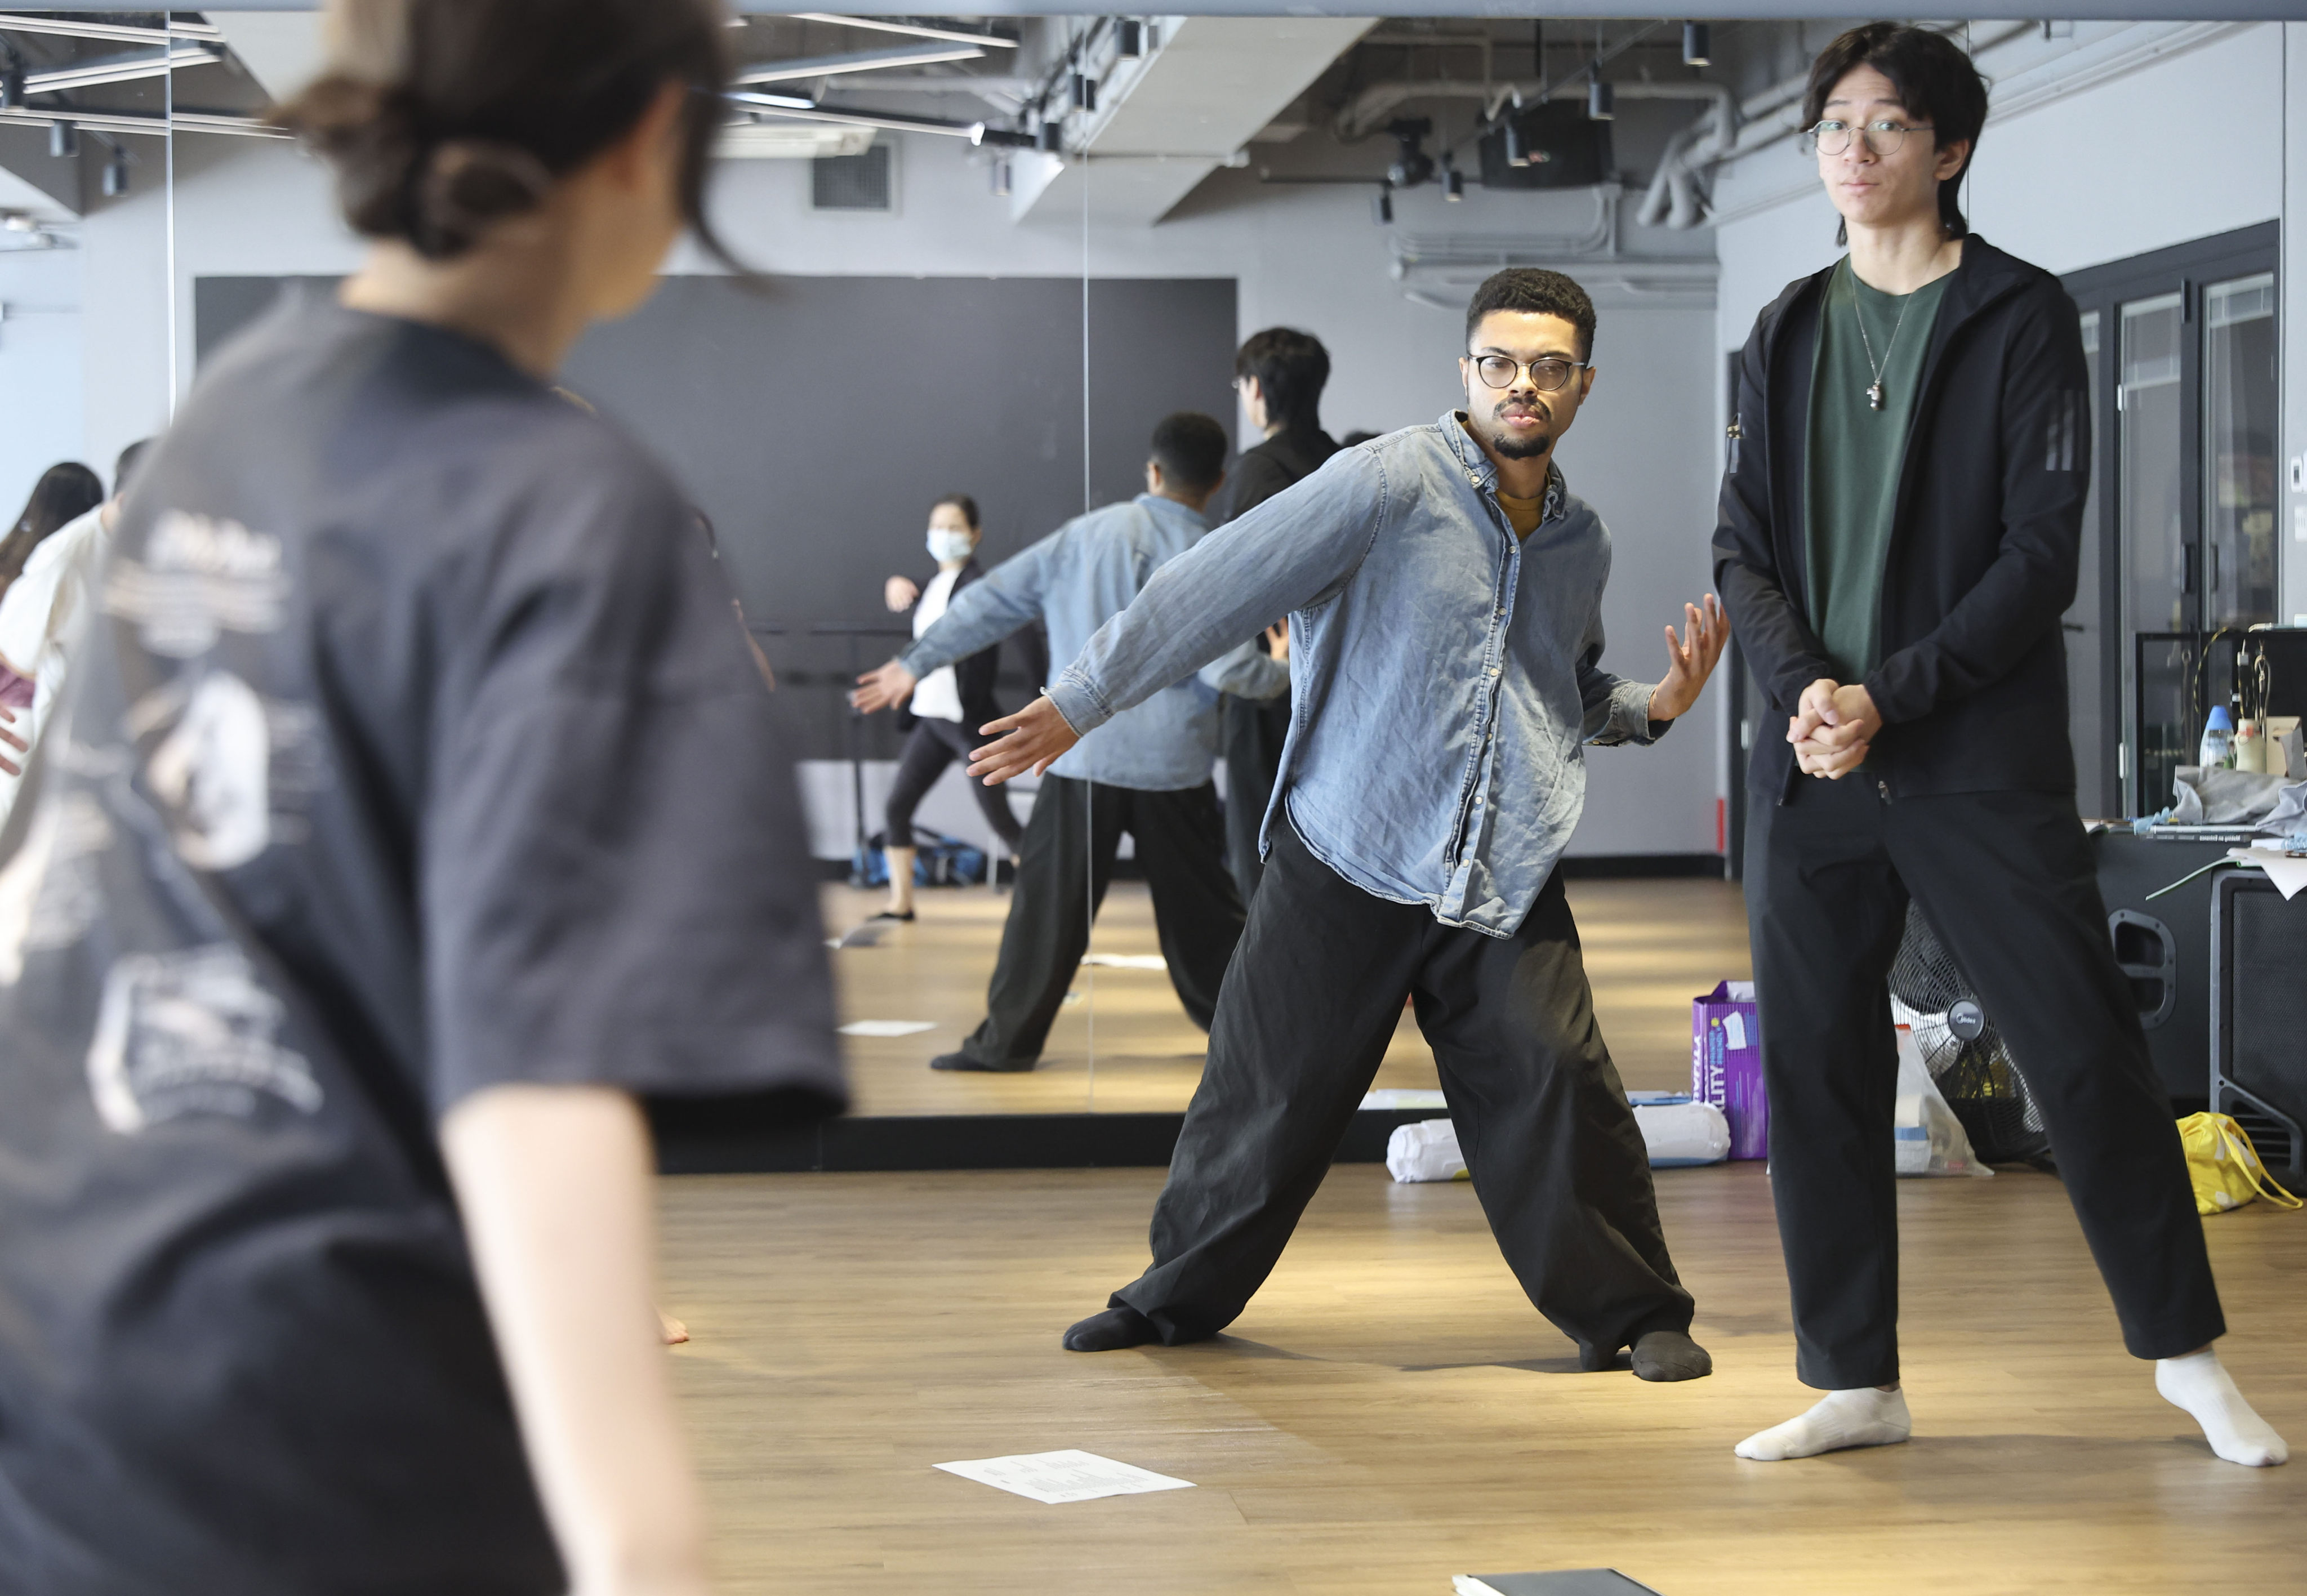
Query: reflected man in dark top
[1279, 373]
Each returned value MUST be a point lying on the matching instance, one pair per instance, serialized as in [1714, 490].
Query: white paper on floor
[1126, 961]
[888, 1027]
[1056, 1477]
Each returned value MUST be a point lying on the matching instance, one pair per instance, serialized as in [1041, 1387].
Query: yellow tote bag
[2225, 1167]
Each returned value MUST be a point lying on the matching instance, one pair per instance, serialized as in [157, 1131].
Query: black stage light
[1600, 101]
[1696, 45]
[1454, 186]
[1128, 40]
[1084, 92]
[1052, 139]
[12, 89]
[63, 139]
[1517, 148]
[1382, 207]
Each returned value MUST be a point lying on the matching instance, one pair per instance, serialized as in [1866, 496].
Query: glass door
[2179, 527]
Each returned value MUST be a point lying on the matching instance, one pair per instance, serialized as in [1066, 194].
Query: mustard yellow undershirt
[1521, 514]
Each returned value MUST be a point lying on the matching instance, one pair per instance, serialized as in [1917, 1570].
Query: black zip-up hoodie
[1972, 685]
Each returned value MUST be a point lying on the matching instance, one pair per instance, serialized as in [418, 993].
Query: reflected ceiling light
[11, 87]
[911, 29]
[64, 141]
[1084, 90]
[119, 69]
[1696, 41]
[1454, 186]
[1382, 207]
[115, 174]
[1601, 101]
[828, 66]
[1128, 40]
[1001, 179]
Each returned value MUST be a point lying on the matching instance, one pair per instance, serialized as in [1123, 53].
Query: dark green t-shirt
[1856, 454]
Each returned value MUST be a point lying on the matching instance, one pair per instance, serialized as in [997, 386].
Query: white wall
[41, 421]
[2293, 313]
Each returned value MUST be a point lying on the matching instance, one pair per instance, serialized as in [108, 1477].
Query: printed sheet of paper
[888, 1027]
[1063, 1476]
[2288, 874]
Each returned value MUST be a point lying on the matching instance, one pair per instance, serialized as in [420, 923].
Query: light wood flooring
[1124, 1045]
[1391, 1412]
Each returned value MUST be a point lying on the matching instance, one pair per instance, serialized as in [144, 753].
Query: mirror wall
[994, 255]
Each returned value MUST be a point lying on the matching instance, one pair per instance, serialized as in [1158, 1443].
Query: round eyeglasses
[1883, 138]
[1548, 373]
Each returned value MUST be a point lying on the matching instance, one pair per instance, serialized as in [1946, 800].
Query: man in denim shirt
[1148, 773]
[1433, 775]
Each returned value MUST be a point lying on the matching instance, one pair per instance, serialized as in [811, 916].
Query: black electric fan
[1960, 1047]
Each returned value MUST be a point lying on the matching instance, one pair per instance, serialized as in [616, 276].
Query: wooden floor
[1124, 1045]
[1392, 1411]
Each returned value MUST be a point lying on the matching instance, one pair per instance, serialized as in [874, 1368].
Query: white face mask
[946, 543]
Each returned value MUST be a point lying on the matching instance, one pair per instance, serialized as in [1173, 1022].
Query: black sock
[1111, 1330]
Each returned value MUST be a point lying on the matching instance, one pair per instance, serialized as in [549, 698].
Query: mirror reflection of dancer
[1444, 593]
[1148, 775]
[1279, 373]
[949, 704]
[426, 811]
[1899, 536]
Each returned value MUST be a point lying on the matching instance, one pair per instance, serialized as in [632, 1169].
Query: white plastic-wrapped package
[1931, 1141]
[1675, 1134]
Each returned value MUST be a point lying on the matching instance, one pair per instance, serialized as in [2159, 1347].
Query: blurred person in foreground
[418, 813]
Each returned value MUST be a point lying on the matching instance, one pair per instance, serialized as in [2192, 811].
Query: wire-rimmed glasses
[1548, 373]
[1882, 136]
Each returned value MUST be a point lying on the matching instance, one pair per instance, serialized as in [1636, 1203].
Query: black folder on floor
[1563, 1582]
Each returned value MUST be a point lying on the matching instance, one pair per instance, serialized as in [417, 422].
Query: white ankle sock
[2201, 1386]
[1862, 1418]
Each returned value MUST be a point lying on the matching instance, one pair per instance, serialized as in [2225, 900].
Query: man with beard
[1444, 591]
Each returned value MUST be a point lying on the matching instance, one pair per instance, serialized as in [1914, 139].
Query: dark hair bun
[467, 185]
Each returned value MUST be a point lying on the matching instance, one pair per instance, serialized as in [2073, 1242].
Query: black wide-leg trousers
[2007, 882]
[1065, 864]
[1311, 1001]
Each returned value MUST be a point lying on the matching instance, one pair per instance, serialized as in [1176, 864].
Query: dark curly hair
[444, 117]
[1532, 289]
[1935, 81]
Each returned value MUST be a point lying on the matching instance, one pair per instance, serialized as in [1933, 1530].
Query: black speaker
[1559, 146]
[2164, 945]
[2258, 1017]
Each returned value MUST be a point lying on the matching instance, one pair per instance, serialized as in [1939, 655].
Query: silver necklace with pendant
[1858, 314]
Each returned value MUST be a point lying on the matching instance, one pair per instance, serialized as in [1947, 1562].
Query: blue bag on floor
[939, 861]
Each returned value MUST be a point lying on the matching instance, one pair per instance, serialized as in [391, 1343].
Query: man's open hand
[879, 689]
[1691, 659]
[1277, 641]
[1030, 741]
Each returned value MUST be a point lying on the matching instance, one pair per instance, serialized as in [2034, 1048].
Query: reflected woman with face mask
[947, 706]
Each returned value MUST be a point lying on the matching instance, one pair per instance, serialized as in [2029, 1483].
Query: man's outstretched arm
[1287, 554]
[1005, 601]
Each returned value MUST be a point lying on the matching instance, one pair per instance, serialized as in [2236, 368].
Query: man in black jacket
[1898, 539]
[1279, 373]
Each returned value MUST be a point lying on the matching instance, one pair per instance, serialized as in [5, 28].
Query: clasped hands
[1832, 728]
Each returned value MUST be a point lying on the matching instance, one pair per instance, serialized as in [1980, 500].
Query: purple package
[1726, 1064]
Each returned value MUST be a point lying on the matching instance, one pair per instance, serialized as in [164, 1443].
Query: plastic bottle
[2219, 735]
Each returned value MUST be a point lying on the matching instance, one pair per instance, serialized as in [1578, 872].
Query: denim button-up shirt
[1445, 673]
[1073, 580]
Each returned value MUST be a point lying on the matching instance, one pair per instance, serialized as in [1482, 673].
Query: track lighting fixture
[1053, 138]
[1600, 101]
[1454, 186]
[11, 87]
[1084, 92]
[1382, 207]
[1517, 151]
[1001, 179]
[115, 175]
[1128, 40]
[1696, 45]
[64, 141]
